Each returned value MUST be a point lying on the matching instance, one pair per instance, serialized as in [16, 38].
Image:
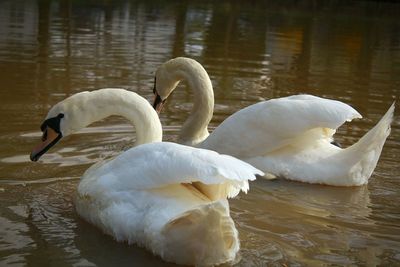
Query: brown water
[252, 50]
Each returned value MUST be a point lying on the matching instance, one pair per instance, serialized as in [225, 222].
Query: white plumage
[169, 198]
[149, 195]
[268, 126]
[289, 137]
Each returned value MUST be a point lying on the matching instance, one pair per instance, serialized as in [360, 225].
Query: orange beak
[49, 139]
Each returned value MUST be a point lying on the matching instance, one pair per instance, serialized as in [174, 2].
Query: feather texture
[270, 125]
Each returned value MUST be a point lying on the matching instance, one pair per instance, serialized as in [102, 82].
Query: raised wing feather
[157, 165]
[270, 125]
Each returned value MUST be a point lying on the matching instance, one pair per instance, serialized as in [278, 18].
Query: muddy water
[252, 51]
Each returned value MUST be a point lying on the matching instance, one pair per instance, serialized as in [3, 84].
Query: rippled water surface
[252, 50]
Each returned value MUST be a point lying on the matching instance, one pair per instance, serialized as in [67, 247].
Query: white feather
[270, 125]
[157, 165]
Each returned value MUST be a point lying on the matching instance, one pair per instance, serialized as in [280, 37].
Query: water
[253, 50]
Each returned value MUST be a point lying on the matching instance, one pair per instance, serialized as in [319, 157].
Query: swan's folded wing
[270, 125]
[157, 165]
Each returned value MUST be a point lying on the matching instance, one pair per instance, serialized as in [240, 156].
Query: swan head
[63, 119]
[158, 101]
[167, 77]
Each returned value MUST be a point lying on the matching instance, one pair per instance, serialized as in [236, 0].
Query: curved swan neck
[87, 107]
[194, 130]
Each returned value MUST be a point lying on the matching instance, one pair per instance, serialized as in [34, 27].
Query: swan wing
[161, 164]
[270, 125]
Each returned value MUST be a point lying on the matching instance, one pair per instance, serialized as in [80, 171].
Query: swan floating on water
[288, 137]
[169, 198]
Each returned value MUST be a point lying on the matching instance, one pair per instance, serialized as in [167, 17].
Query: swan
[169, 198]
[289, 137]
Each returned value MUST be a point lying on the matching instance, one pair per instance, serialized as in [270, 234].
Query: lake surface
[252, 50]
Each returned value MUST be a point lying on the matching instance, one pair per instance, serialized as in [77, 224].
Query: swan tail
[205, 236]
[367, 150]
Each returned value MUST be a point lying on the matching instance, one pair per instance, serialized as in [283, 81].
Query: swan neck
[194, 130]
[103, 103]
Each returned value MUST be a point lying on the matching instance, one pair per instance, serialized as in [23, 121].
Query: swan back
[270, 125]
[159, 165]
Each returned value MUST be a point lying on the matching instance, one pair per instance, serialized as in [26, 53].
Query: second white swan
[289, 137]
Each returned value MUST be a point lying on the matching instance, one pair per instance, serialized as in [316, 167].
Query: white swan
[166, 197]
[289, 137]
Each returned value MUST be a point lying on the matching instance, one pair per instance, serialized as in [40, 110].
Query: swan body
[169, 198]
[288, 137]
[149, 196]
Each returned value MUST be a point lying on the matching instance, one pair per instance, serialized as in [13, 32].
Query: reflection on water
[253, 51]
[305, 222]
